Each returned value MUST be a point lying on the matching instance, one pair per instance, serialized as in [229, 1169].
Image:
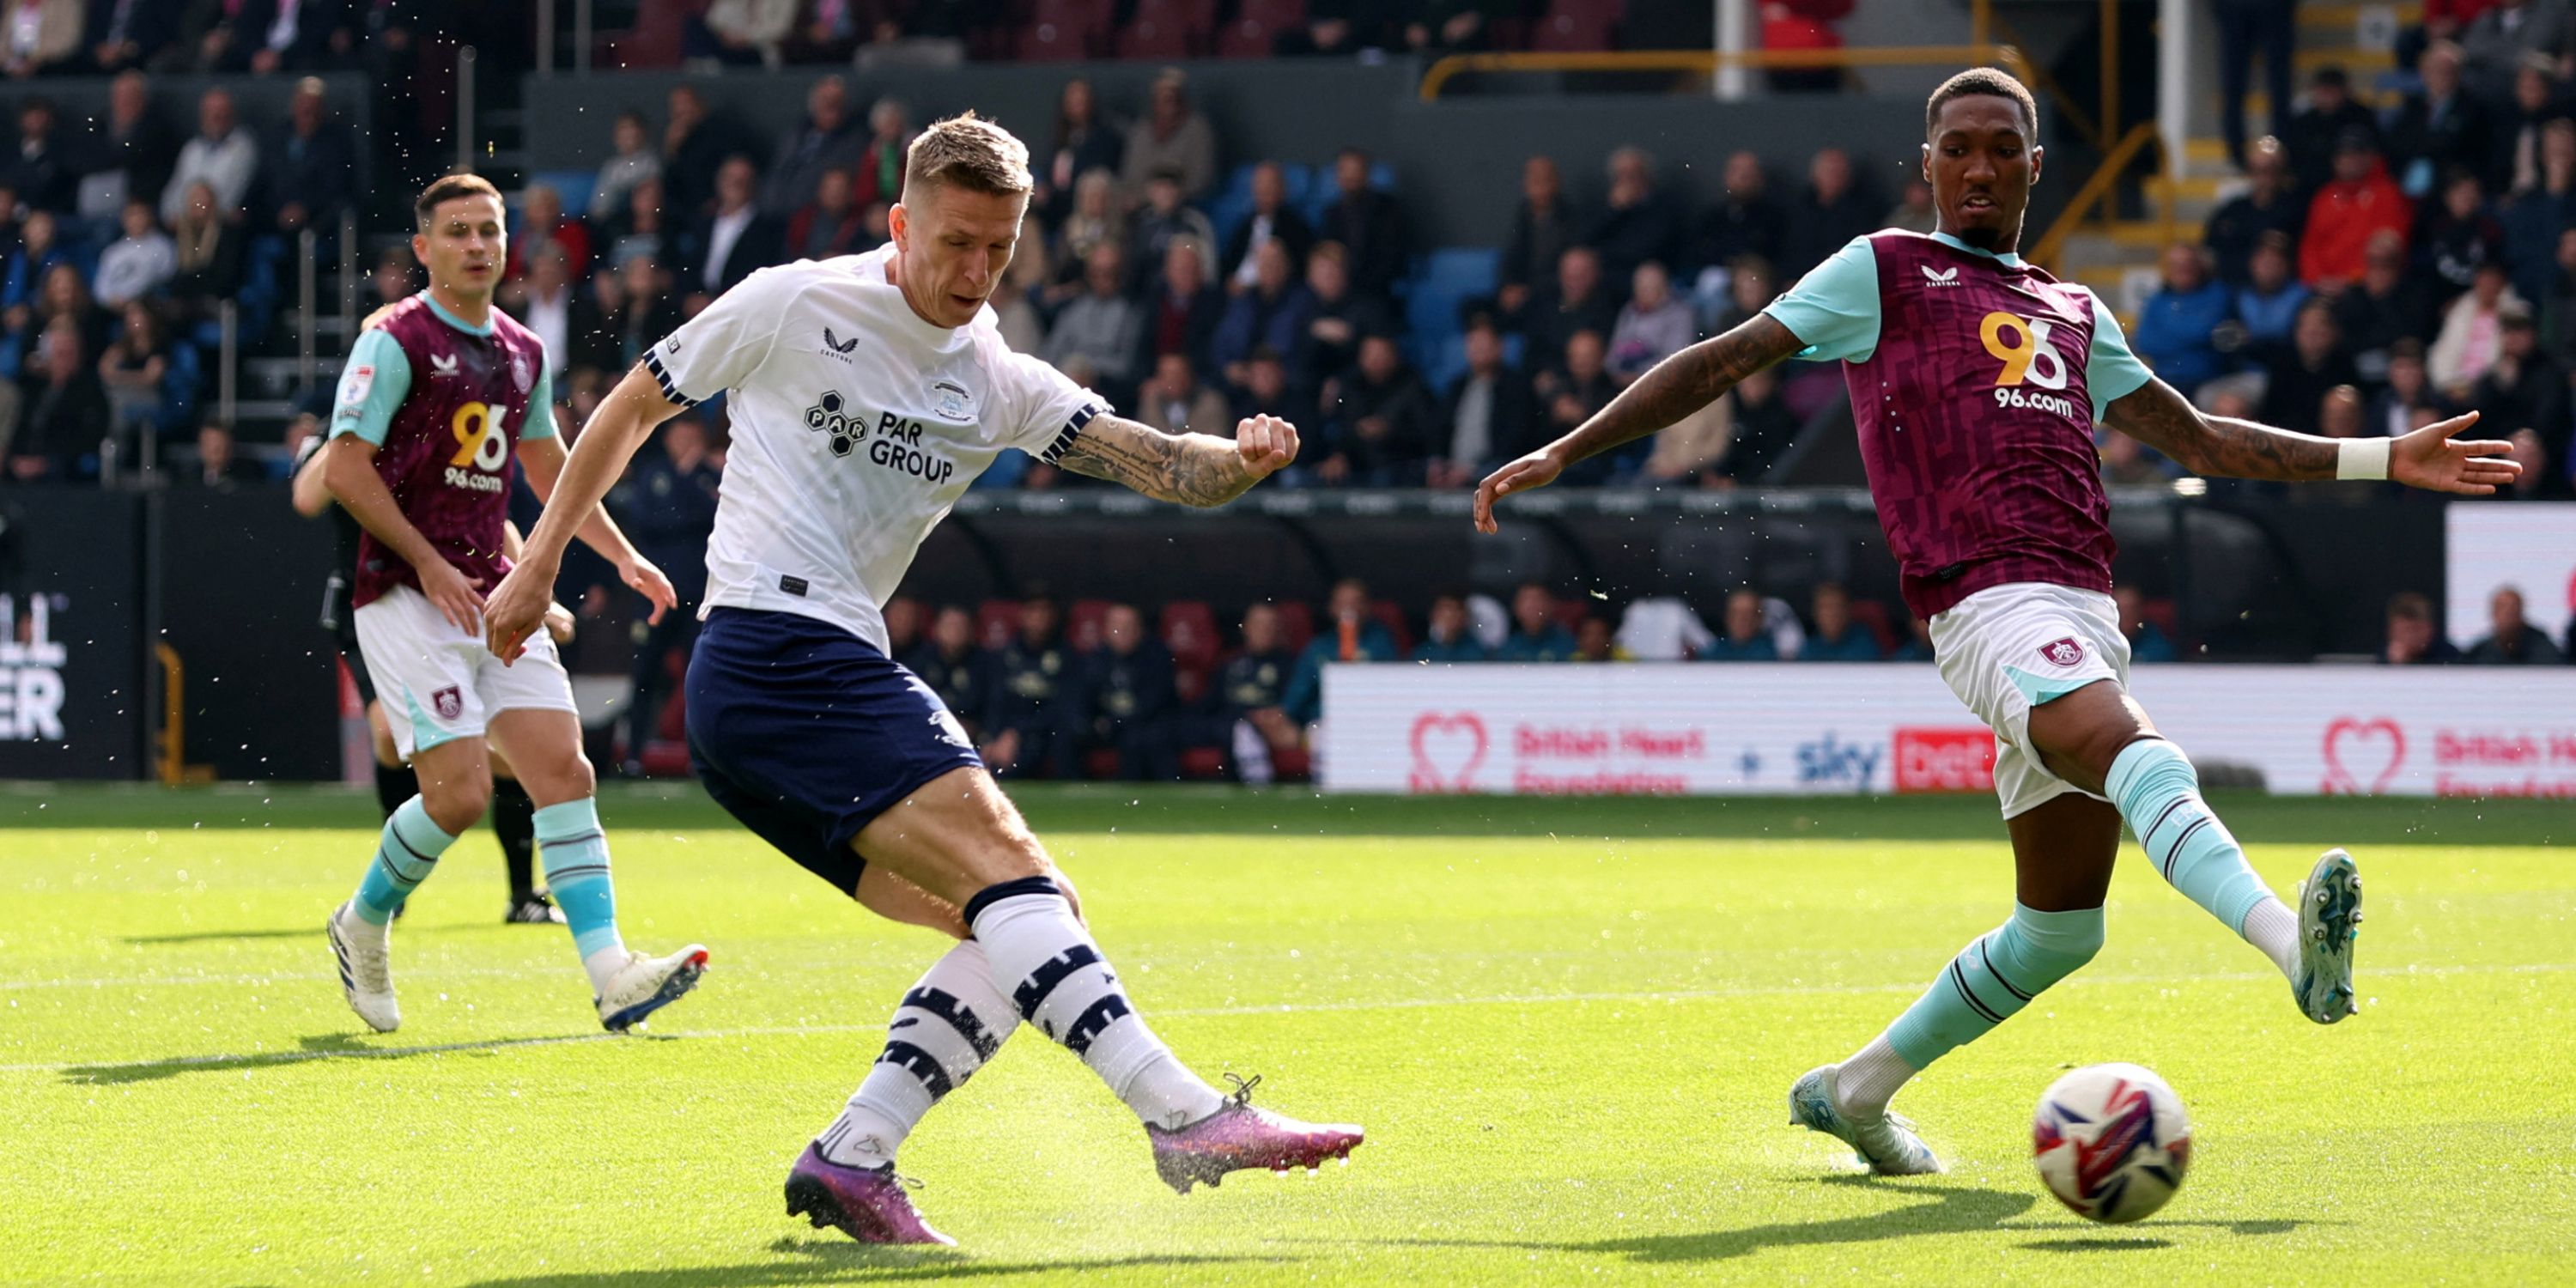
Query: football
[2112, 1142]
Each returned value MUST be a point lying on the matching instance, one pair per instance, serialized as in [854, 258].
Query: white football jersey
[856, 425]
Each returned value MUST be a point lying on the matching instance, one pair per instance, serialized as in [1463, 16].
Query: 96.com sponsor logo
[1945, 760]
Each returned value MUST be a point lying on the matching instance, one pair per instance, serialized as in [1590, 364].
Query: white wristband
[2362, 458]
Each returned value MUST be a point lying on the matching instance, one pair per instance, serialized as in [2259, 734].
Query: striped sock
[406, 852]
[1054, 974]
[947, 1027]
[2158, 791]
[1987, 983]
[576, 856]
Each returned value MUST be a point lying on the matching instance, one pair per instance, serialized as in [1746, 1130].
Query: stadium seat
[1254, 30]
[1060, 31]
[996, 621]
[1442, 284]
[1577, 26]
[1202, 763]
[1571, 610]
[2161, 612]
[1100, 762]
[1188, 628]
[1872, 615]
[1167, 29]
[1323, 190]
[1296, 623]
[1391, 616]
[1082, 623]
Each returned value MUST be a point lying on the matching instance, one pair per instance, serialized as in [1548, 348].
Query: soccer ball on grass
[2112, 1142]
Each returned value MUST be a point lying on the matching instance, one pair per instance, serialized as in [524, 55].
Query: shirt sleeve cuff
[1072, 430]
[662, 377]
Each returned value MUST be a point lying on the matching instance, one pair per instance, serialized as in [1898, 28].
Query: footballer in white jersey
[866, 393]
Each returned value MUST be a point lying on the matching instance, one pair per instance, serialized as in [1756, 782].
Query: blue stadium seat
[575, 186]
[1322, 190]
[1443, 281]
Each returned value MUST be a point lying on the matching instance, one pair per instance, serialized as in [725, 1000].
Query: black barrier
[74, 700]
[241, 605]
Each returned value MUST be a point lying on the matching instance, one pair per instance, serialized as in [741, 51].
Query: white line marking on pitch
[268, 1058]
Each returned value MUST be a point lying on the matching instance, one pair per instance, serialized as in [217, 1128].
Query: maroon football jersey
[451, 446]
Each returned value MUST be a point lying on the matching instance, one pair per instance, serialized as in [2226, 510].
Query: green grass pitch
[1568, 1027]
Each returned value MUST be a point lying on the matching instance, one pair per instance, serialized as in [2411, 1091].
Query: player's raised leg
[544, 746]
[2063, 851]
[455, 786]
[2099, 739]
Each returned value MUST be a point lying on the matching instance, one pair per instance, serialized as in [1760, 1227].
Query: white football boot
[1888, 1143]
[647, 984]
[365, 954]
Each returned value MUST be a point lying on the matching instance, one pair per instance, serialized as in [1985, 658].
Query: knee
[2060, 942]
[456, 803]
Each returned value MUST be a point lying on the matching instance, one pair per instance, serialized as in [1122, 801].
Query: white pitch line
[2392, 975]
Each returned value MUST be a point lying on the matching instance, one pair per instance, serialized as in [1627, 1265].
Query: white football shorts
[438, 683]
[2006, 649]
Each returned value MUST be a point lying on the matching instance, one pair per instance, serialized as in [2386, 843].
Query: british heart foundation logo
[2359, 751]
[2065, 652]
[1447, 752]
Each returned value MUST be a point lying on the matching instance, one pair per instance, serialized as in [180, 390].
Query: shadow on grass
[2098, 1245]
[2144, 1239]
[841, 1261]
[324, 1046]
[313, 931]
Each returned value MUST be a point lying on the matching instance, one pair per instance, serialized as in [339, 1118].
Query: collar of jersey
[453, 320]
[2008, 260]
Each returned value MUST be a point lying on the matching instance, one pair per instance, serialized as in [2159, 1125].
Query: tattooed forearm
[1190, 469]
[2219, 446]
[1682, 384]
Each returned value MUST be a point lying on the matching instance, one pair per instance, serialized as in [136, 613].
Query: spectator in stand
[1800, 25]
[880, 167]
[2458, 236]
[1340, 317]
[391, 283]
[1266, 387]
[1182, 309]
[1743, 639]
[1248, 692]
[2439, 126]
[1377, 421]
[830, 224]
[1172, 136]
[1576, 391]
[42, 173]
[1272, 221]
[1100, 330]
[66, 410]
[2270, 205]
[546, 303]
[1369, 225]
[1174, 401]
[131, 155]
[1578, 301]
[1015, 307]
[2510, 640]
[1542, 231]
[1350, 634]
[2315, 364]
[2243, 27]
[222, 156]
[2147, 641]
[1917, 644]
[1130, 698]
[2268, 304]
[2511, 35]
[2558, 310]
[1491, 413]
[1447, 635]
[2537, 102]
[1440, 27]
[734, 240]
[2523, 388]
[827, 138]
[1162, 221]
[695, 142]
[2412, 639]
[1595, 641]
[126, 34]
[1032, 716]
[2343, 413]
[2544, 475]
[2392, 411]
[2472, 334]
[39, 249]
[1272, 313]
[644, 230]
[1831, 212]
[1097, 218]
[740, 33]
[956, 670]
[1653, 326]
[1837, 636]
[1340, 29]
[266, 37]
[132, 369]
[2176, 331]
[1083, 142]
[1763, 429]
[2534, 219]
[633, 162]
[2359, 202]
[667, 505]
[1638, 222]
[1744, 221]
[1536, 635]
[1749, 287]
[902, 626]
[2128, 463]
[219, 464]
[315, 166]
[1914, 213]
[544, 226]
[2387, 305]
[2320, 131]
[138, 264]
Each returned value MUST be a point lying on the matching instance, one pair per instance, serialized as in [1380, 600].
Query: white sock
[353, 926]
[2272, 927]
[945, 1029]
[1044, 959]
[602, 966]
[1869, 1079]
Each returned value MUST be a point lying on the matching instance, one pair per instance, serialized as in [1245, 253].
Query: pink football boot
[1239, 1136]
[866, 1203]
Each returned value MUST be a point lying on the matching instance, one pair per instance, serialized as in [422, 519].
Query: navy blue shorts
[806, 733]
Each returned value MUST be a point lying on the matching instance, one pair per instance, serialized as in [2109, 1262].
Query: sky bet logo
[1835, 763]
[31, 671]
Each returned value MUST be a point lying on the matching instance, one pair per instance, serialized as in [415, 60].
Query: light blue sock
[1992, 979]
[406, 851]
[576, 857]
[2157, 790]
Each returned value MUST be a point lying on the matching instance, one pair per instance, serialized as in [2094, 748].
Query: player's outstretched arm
[1669, 391]
[2224, 447]
[1189, 469]
[349, 468]
[620, 425]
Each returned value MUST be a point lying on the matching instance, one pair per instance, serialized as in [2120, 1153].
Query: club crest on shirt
[442, 364]
[950, 401]
[448, 702]
[2065, 652]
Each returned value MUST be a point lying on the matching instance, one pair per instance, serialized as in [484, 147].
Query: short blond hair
[970, 152]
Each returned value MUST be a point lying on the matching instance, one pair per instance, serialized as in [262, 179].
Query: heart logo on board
[2356, 749]
[1447, 751]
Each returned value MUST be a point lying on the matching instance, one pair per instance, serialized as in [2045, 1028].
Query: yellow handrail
[1710, 60]
[172, 756]
[2095, 189]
